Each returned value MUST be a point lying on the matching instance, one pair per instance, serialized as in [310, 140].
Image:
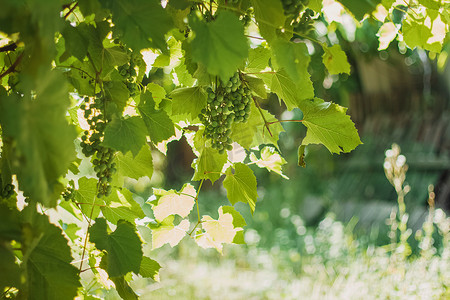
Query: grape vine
[75, 75]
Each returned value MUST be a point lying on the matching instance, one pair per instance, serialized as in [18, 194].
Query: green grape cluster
[68, 194]
[306, 22]
[128, 72]
[228, 104]
[8, 191]
[103, 157]
[293, 7]
[247, 17]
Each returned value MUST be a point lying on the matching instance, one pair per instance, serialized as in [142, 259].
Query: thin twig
[12, 68]
[70, 11]
[9, 47]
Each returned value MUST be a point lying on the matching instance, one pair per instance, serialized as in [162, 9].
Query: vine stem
[196, 199]
[281, 121]
[12, 68]
[198, 209]
[262, 115]
[87, 233]
[76, 68]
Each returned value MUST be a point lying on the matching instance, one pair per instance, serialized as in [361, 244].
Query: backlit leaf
[329, 125]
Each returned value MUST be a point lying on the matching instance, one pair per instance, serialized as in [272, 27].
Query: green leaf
[210, 162]
[117, 92]
[85, 194]
[121, 206]
[123, 246]
[335, 60]
[157, 91]
[329, 125]
[10, 274]
[44, 138]
[254, 132]
[294, 59]
[270, 16]
[287, 90]
[315, 5]
[49, 272]
[125, 135]
[256, 85]
[258, 59]
[220, 45]
[149, 268]
[140, 23]
[123, 288]
[167, 233]
[241, 185]
[75, 42]
[160, 127]
[418, 35]
[188, 101]
[238, 219]
[270, 159]
[174, 203]
[135, 167]
[360, 8]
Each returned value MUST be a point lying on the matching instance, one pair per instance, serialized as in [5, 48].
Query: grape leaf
[360, 8]
[294, 59]
[117, 92]
[335, 60]
[270, 16]
[254, 132]
[85, 194]
[123, 288]
[149, 268]
[210, 162]
[220, 45]
[121, 205]
[47, 260]
[123, 246]
[258, 59]
[241, 185]
[270, 159]
[125, 135]
[174, 203]
[329, 125]
[167, 233]
[75, 42]
[10, 274]
[157, 91]
[315, 5]
[135, 167]
[159, 125]
[140, 23]
[417, 35]
[256, 85]
[280, 83]
[43, 136]
[220, 231]
[188, 101]
[386, 34]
